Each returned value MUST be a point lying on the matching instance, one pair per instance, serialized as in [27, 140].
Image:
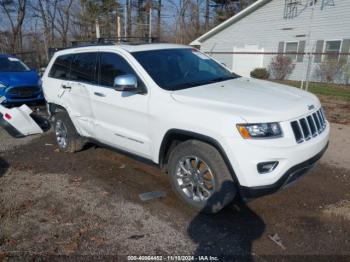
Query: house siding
[266, 28]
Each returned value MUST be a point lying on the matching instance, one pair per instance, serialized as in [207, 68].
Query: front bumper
[289, 177]
[15, 101]
[245, 155]
[15, 95]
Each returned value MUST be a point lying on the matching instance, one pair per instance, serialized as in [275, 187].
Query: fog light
[267, 167]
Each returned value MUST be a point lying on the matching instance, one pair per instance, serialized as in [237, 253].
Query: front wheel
[200, 176]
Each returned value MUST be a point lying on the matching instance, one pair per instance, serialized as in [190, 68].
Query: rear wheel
[200, 176]
[67, 137]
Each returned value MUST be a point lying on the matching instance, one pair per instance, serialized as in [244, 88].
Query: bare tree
[331, 70]
[85, 17]
[57, 22]
[281, 67]
[46, 11]
[196, 17]
[63, 21]
[188, 22]
[15, 12]
[140, 18]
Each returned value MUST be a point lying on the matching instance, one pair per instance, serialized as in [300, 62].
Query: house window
[332, 49]
[292, 48]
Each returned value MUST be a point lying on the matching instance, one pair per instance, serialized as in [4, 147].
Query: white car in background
[217, 135]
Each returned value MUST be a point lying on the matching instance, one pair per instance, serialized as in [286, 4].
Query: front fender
[170, 134]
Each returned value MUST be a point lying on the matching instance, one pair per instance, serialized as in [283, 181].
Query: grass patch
[341, 92]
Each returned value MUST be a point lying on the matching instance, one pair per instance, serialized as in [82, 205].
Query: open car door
[21, 121]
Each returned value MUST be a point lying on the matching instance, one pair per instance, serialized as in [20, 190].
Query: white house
[252, 37]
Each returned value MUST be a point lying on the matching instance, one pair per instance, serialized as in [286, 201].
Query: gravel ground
[88, 204]
[8, 143]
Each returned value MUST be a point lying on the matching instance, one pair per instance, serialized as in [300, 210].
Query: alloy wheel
[195, 178]
[61, 134]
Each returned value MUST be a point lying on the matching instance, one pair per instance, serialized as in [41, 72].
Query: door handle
[66, 87]
[99, 94]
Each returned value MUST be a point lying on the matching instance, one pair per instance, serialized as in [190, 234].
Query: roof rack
[106, 41]
[131, 40]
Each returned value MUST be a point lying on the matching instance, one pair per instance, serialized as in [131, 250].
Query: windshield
[11, 64]
[175, 69]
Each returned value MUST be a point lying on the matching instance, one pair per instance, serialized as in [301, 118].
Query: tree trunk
[197, 19]
[16, 28]
[207, 11]
[159, 19]
[129, 12]
[140, 19]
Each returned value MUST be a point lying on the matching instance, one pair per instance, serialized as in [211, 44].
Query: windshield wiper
[182, 86]
[205, 82]
[220, 79]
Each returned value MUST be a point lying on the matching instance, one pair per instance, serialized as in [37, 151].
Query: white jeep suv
[217, 135]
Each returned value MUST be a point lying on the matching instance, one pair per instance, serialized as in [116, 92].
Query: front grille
[310, 126]
[24, 92]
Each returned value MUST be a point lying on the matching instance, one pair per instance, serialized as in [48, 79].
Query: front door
[121, 118]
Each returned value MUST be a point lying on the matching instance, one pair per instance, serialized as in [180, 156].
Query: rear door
[76, 94]
[67, 85]
[56, 78]
[121, 118]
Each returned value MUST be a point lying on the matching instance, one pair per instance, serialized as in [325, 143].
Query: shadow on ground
[228, 235]
[3, 167]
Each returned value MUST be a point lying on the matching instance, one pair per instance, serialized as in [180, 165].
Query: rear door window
[61, 67]
[83, 68]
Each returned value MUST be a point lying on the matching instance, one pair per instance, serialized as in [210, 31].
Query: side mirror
[125, 83]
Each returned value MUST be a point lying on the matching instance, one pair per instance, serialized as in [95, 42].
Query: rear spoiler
[21, 121]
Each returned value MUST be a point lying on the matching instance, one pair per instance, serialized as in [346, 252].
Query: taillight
[8, 116]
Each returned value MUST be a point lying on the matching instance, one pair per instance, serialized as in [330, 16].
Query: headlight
[2, 86]
[264, 130]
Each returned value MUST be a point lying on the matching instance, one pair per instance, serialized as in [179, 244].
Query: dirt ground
[338, 111]
[87, 206]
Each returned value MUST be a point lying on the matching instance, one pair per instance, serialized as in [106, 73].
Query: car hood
[251, 99]
[29, 78]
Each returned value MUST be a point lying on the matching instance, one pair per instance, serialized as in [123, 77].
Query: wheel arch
[53, 108]
[175, 136]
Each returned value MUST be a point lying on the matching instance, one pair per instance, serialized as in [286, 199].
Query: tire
[67, 137]
[199, 193]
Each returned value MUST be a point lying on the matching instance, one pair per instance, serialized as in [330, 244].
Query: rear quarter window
[61, 67]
